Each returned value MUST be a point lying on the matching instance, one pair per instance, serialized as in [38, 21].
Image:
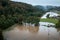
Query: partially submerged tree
[48, 15]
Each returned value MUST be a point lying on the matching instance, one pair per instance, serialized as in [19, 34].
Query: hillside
[17, 12]
[19, 5]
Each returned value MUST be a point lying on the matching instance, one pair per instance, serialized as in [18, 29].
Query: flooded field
[31, 33]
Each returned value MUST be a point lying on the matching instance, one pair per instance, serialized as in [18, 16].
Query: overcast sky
[41, 2]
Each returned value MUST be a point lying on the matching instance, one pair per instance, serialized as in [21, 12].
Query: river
[18, 32]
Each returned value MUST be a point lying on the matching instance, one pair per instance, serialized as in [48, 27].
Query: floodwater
[31, 33]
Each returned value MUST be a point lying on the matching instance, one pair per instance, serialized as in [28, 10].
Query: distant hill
[48, 8]
[40, 7]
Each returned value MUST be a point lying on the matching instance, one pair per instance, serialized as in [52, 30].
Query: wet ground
[31, 33]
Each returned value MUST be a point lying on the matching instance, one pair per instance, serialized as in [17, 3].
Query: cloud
[41, 2]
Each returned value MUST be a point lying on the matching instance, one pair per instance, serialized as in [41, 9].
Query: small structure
[51, 14]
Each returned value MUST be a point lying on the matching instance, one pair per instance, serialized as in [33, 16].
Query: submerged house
[51, 14]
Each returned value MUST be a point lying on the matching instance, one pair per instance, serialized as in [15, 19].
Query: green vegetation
[48, 15]
[58, 24]
[51, 20]
[17, 12]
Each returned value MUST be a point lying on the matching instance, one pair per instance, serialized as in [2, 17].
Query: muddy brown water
[31, 33]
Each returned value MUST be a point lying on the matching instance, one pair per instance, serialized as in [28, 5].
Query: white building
[51, 14]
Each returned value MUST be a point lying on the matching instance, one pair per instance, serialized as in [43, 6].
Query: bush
[6, 23]
[58, 24]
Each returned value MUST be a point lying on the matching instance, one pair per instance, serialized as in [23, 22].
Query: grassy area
[49, 20]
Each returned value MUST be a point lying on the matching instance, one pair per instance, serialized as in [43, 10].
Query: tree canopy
[17, 12]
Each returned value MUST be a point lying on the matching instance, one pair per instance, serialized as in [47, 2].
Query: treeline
[15, 13]
[48, 8]
[18, 12]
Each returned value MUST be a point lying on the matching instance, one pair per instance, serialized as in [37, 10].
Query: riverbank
[51, 20]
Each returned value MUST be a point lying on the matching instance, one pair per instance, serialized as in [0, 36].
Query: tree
[14, 13]
[48, 15]
[4, 2]
[33, 20]
[58, 24]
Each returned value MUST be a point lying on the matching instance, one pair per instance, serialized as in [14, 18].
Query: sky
[41, 2]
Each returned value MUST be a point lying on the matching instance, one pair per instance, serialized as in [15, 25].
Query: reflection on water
[31, 33]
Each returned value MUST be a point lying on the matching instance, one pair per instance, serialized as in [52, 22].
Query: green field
[51, 20]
